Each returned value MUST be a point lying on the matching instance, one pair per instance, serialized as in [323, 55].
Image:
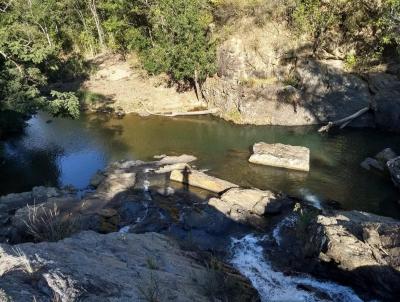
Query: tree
[31, 41]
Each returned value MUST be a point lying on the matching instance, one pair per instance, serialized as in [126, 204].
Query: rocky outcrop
[199, 179]
[113, 267]
[386, 100]
[249, 206]
[275, 78]
[282, 156]
[259, 82]
[394, 169]
[361, 248]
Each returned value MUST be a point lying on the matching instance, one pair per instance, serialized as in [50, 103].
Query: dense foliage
[45, 41]
[371, 25]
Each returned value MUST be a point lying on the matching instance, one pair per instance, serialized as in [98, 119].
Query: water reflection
[69, 152]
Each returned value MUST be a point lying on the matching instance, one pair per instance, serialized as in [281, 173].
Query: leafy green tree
[31, 43]
[179, 44]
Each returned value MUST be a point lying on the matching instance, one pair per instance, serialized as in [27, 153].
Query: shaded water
[65, 152]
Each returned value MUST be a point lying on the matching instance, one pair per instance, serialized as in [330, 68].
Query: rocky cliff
[270, 76]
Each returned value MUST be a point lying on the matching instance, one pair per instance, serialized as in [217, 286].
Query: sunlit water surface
[61, 152]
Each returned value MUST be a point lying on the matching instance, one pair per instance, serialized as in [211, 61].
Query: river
[55, 151]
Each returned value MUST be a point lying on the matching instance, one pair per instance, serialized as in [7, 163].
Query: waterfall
[248, 258]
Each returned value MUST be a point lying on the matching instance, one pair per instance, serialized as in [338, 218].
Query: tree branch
[12, 61]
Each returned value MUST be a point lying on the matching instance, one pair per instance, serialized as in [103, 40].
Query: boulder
[201, 180]
[369, 163]
[385, 155]
[116, 183]
[360, 248]
[248, 206]
[114, 267]
[386, 100]
[283, 156]
[170, 160]
[379, 162]
[394, 169]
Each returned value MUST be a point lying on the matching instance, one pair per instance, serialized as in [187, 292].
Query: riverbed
[58, 152]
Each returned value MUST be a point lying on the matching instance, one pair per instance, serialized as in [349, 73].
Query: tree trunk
[100, 33]
[196, 85]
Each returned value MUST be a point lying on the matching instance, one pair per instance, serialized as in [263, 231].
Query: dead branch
[344, 121]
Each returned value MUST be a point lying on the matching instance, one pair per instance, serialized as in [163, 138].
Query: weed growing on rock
[151, 291]
[49, 224]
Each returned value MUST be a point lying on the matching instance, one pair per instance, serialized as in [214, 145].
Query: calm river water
[61, 152]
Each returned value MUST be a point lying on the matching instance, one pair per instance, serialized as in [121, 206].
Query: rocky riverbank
[260, 85]
[141, 231]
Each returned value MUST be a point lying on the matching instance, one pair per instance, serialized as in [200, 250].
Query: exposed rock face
[113, 267]
[283, 156]
[201, 180]
[394, 169]
[272, 77]
[274, 80]
[386, 101]
[362, 248]
[248, 206]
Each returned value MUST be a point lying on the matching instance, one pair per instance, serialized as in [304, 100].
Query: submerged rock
[369, 163]
[201, 180]
[379, 161]
[113, 267]
[282, 156]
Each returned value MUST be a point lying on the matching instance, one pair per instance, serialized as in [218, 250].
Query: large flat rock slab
[281, 156]
[201, 180]
[113, 267]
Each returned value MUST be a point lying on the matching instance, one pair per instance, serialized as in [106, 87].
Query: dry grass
[49, 224]
[16, 261]
[150, 292]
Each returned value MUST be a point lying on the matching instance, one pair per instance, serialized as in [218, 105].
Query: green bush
[178, 43]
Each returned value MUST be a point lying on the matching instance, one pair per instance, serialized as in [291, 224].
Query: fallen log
[187, 113]
[344, 121]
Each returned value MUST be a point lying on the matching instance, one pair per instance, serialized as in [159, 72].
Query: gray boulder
[386, 101]
[394, 169]
[249, 206]
[113, 267]
[361, 248]
[283, 156]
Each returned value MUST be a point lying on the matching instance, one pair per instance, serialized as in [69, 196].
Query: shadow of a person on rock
[186, 172]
